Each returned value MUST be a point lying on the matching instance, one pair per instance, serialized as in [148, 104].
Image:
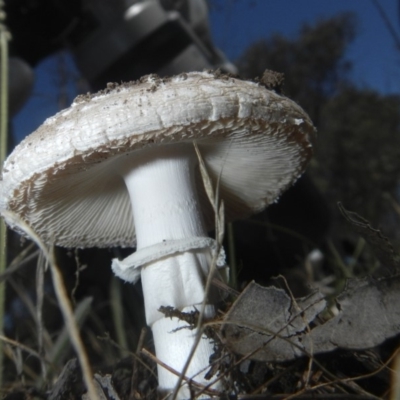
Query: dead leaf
[262, 319]
[265, 324]
[369, 314]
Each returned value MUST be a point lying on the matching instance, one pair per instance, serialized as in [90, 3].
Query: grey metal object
[146, 37]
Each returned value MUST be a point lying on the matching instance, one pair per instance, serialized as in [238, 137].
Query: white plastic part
[165, 208]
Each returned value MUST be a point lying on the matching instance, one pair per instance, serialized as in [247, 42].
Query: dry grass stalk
[65, 305]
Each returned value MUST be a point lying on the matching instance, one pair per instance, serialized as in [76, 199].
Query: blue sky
[376, 60]
[237, 23]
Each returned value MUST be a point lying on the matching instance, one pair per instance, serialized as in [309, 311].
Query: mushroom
[118, 168]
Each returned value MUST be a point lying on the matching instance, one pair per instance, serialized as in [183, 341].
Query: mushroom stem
[163, 194]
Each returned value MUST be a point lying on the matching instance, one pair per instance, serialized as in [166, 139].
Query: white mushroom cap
[63, 179]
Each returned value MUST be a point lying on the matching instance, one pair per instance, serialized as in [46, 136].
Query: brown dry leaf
[368, 314]
[259, 313]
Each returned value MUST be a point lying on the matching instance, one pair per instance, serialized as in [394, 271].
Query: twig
[223, 286]
[308, 329]
[188, 380]
[40, 269]
[139, 347]
[136, 356]
[23, 347]
[233, 274]
[388, 24]
[395, 389]
[219, 233]
[19, 262]
[70, 322]
[79, 268]
[118, 314]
